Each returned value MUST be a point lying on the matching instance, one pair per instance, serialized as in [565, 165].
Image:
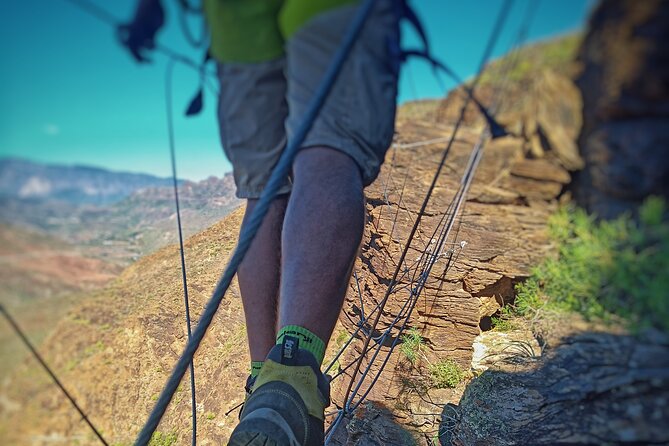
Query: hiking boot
[287, 403]
[248, 388]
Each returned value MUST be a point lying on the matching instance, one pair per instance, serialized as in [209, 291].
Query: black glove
[139, 35]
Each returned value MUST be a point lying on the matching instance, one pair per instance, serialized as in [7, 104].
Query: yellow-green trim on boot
[301, 378]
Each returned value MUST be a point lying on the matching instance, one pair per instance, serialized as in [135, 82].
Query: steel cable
[51, 373]
[182, 256]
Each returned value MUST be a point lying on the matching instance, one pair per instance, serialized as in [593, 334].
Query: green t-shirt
[255, 30]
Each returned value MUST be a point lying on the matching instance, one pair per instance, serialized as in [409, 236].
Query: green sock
[308, 340]
[255, 368]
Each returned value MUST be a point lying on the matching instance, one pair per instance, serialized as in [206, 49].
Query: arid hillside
[115, 350]
[41, 277]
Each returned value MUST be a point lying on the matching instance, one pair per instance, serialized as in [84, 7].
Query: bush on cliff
[605, 268]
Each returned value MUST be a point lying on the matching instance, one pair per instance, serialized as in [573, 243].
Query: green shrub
[163, 439]
[341, 338]
[610, 267]
[502, 323]
[411, 343]
[555, 54]
[446, 373]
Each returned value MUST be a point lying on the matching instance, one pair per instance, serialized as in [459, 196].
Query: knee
[327, 165]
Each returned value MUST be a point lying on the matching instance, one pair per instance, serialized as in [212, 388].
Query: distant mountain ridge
[75, 184]
[114, 216]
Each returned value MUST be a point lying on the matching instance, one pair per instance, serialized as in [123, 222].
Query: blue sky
[70, 94]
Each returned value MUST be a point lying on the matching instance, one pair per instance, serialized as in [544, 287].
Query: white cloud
[51, 129]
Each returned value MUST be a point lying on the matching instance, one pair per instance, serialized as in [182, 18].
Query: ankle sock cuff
[255, 368]
[308, 340]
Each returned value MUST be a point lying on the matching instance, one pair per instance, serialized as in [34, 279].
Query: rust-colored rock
[540, 169]
[500, 236]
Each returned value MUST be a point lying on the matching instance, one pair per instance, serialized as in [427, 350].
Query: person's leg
[259, 278]
[252, 111]
[322, 232]
[325, 215]
[341, 154]
[247, 43]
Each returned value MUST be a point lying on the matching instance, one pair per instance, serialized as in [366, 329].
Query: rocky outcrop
[494, 347]
[373, 425]
[533, 98]
[500, 236]
[625, 87]
[595, 388]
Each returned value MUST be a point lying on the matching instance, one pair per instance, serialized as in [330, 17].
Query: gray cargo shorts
[261, 105]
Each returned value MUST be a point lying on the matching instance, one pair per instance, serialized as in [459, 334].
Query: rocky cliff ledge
[500, 236]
